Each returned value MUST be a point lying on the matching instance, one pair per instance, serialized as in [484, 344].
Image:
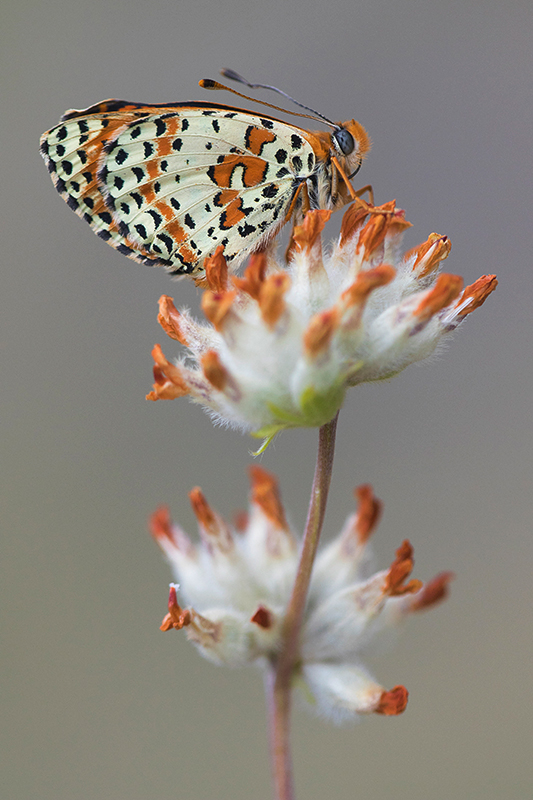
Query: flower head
[283, 344]
[237, 582]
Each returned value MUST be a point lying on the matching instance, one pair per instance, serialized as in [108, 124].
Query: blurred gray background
[98, 702]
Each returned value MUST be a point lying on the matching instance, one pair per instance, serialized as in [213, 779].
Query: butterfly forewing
[167, 184]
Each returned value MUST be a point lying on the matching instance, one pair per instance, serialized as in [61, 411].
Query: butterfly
[167, 184]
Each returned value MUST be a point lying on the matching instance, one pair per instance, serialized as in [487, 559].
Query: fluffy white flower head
[283, 344]
[237, 583]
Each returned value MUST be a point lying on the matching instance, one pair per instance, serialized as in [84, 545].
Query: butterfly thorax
[327, 190]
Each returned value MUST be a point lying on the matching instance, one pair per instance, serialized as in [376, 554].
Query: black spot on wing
[124, 249]
[246, 229]
[160, 126]
[296, 141]
[167, 241]
[270, 191]
[156, 216]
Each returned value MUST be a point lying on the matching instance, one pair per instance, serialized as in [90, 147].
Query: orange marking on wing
[99, 206]
[152, 167]
[93, 148]
[173, 126]
[147, 191]
[164, 146]
[167, 212]
[233, 214]
[175, 230]
[257, 138]
[188, 255]
[254, 170]
[320, 141]
[91, 187]
[225, 196]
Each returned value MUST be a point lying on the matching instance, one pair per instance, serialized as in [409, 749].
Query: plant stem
[278, 679]
[278, 709]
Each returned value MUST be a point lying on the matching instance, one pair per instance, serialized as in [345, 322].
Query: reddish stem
[278, 679]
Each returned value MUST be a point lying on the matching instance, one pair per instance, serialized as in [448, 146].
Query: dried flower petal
[238, 584]
[285, 343]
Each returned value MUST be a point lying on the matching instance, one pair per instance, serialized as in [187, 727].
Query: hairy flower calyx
[236, 586]
[284, 343]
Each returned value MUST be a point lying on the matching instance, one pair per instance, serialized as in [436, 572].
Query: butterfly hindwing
[72, 151]
[167, 184]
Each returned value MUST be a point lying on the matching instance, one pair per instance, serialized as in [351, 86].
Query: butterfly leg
[305, 207]
[368, 188]
[355, 195]
[341, 172]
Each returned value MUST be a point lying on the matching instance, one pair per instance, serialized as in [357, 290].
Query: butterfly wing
[166, 184]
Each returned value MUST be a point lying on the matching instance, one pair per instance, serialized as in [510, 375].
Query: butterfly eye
[344, 140]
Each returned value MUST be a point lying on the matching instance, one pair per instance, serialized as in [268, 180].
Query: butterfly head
[351, 143]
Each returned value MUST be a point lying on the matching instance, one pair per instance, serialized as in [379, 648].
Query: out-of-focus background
[98, 702]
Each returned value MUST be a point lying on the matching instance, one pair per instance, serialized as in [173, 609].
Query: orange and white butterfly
[166, 184]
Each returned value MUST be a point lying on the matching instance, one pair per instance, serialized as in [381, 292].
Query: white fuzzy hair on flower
[284, 343]
[237, 582]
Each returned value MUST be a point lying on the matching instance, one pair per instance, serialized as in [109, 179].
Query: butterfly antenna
[208, 83]
[234, 76]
